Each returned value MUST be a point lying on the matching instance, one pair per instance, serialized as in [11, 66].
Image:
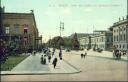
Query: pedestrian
[54, 62]
[86, 54]
[60, 54]
[81, 55]
[119, 54]
[42, 59]
[49, 56]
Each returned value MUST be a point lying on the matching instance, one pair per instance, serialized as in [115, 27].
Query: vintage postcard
[63, 40]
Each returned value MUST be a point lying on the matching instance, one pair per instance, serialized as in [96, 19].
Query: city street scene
[63, 40]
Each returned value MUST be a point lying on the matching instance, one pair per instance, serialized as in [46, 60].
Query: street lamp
[61, 29]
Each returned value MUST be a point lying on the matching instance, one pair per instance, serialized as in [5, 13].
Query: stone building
[102, 39]
[21, 28]
[85, 42]
[120, 34]
[99, 39]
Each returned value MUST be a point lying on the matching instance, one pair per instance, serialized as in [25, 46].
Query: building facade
[120, 34]
[85, 42]
[21, 28]
[102, 39]
[99, 39]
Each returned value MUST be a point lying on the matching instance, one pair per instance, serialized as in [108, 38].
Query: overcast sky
[78, 15]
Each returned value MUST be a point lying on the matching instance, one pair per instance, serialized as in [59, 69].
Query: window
[16, 27]
[114, 38]
[124, 29]
[120, 37]
[117, 38]
[107, 39]
[120, 29]
[117, 30]
[7, 30]
[120, 45]
[123, 46]
[124, 37]
[127, 46]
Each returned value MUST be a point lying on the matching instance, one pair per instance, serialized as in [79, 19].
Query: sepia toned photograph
[63, 40]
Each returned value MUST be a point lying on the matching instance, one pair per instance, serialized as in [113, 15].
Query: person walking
[54, 62]
[81, 55]
[44, 62]
[42, 59]
[49, 56]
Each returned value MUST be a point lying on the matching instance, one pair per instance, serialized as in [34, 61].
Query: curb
[38, 73]
[122, 59]
[47, 73]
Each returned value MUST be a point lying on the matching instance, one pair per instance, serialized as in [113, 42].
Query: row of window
[120, 37]
[122, 46]
[109, 39]
[7, 30]
[119, 30]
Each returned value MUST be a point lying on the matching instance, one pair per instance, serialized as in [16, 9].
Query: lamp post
[61, 29]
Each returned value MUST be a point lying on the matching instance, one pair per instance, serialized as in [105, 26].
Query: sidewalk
[32, 65]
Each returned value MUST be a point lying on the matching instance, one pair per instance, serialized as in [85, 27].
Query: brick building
[20, 28]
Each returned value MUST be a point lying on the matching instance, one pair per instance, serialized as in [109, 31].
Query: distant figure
[60, 54]
[82, 55]
[54, 62]
[44, 59]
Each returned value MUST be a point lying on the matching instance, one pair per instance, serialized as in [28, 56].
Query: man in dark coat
[55, 62]
[82, 55]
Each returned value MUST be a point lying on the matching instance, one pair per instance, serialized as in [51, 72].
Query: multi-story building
[102, 40]
[120, 34]
[85, 42]
[99, 39]
[21, 28]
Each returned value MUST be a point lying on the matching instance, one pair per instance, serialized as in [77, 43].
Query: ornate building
[120, 34]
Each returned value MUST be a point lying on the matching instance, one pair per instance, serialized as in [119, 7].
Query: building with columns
[102, 39]
[120, 34]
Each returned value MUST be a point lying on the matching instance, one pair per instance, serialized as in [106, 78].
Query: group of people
[117, 54]
[83, 55]
[48, 54]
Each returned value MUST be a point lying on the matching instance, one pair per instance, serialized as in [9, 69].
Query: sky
[80, 16]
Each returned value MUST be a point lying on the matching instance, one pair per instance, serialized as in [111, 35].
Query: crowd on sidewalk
[51, 56]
